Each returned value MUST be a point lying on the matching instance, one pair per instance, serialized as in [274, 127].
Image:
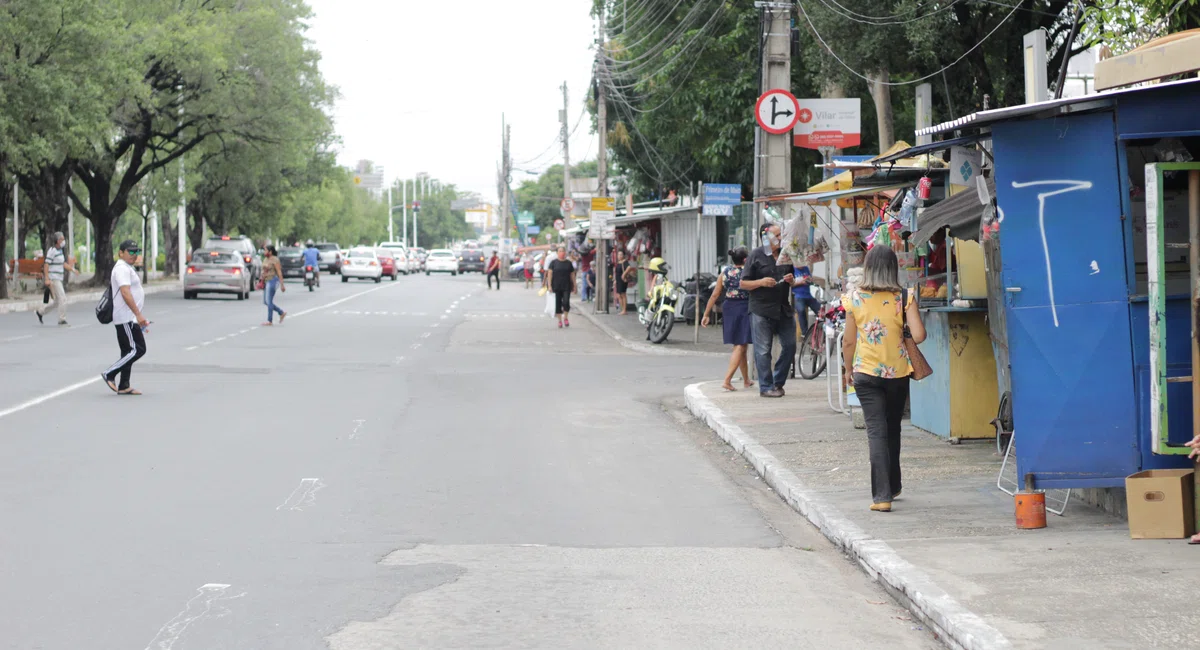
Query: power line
[879, 21]
[557, 141]
[702, 32]
[900, 83]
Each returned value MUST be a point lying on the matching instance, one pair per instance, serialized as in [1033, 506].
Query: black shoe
[39, 315]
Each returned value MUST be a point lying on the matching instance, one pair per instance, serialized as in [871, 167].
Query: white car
[406, 262]
[441, 260]
[362, 263]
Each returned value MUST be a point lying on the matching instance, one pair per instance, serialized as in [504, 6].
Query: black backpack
[104, 308]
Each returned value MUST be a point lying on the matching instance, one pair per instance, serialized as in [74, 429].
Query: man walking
[769, 284]
[493, 270]
[127, 300]
[52, 274]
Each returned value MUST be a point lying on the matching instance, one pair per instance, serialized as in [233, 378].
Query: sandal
[129, 391]
[729, 388]
[1194, 540]
[112, 385]
[281, 317]
[268, 324]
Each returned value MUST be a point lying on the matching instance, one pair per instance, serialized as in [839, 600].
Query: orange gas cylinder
[1030, 506]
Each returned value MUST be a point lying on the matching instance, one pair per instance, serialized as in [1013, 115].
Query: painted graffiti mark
[960, 335]
[205, 604]
[1067, 186]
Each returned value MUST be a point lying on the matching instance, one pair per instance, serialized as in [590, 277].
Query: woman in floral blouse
[735, 314]
[876, 362]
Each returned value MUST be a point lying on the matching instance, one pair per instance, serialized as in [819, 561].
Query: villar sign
[835, 123]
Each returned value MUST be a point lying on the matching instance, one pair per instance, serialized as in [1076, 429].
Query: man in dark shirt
[770, 284]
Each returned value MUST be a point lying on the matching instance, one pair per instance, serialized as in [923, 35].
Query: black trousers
[133, 347]
[494, 274]
[562, 302]
[883, 407]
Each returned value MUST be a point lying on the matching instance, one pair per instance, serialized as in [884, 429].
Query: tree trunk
[104, 211]
[5, 201]
[170, 244]
[881, 94]
[46, 190]
[195, 223]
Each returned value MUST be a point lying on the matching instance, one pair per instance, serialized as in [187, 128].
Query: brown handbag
[920, 367]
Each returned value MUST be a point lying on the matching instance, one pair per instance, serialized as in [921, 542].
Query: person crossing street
[52, 272]
[493, 270]
[127, 300]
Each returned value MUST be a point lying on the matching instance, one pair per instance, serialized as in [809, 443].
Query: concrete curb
[77, 297]
[646, 347]
[954, 624]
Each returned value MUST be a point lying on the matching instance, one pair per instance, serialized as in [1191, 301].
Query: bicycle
[811, 358]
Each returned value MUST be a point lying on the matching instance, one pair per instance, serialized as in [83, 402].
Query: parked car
[420, 254]
[362, 263]
[471, 259]
[441, 260]
[330, 258]
[387, 260]
[291, 260]
[216, 271]
[244, 248]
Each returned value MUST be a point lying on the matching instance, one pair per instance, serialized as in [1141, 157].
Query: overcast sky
[459, 66]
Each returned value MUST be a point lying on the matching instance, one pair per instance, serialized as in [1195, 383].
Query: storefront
[1097, 296]
[676, 235]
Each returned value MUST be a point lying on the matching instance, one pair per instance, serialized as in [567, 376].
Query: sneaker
[566, 323]
[39, 315]
[774, 392]
[559, 324]
[62, 323]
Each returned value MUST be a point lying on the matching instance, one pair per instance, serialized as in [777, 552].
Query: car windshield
[441, 254]
[383, 252]
[289, 252]
[327, 247]
[225, 244]
[362, 254]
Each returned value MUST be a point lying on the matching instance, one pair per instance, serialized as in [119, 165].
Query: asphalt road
[418, 464]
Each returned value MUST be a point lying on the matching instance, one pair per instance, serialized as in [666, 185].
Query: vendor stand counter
[960, 399]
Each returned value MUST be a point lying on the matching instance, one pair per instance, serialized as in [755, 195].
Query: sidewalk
[950, 550]
[632, 334]
[30, 302]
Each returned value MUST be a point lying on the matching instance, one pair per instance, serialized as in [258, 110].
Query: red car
[387, 262]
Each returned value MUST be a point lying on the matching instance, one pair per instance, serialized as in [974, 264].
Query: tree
[1123, 26]
[210, 69]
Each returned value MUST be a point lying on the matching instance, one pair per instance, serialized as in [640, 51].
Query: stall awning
[932, 147]
[960, 213]
[625, 220]
[834, 195]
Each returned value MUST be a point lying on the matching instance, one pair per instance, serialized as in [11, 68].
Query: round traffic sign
[777, 111]
[567, 205]
[559, 224]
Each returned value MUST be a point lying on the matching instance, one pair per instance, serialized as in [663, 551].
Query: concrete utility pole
[566, 135]
[601, 259]
[391, 237]
[404, 200]
[506, 182]
[774, 152]
[182, 229]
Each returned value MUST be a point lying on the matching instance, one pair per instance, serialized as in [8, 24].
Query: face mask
[768, 239]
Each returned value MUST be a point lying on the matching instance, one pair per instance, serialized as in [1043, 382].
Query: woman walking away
[736, 316]
[561, 279]
[875, 360]
[272, 274]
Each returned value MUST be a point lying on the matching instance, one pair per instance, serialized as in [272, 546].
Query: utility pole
[391, 237]
[566, 148]
[506, 181]
[601, 259]
[774, 152]
[182, 252]
[404, 200]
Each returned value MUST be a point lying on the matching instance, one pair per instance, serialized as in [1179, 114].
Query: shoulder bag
[920, 367]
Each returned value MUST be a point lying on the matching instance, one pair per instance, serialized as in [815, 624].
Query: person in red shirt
[493, 270]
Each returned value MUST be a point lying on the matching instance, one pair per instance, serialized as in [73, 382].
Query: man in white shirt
[52, 273]
[128, 298]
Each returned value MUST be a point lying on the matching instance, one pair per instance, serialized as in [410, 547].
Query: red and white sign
[567, 205]
[776, 111]
[559, 224]
[833, 123]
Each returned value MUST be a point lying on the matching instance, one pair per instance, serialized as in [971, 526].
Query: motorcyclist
[312, 257]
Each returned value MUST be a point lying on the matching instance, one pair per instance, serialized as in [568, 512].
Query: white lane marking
[76, 386]
[48, 396]
[219, 339]
[303, 496]
[399, 359]
[443, 317]
[189, 349]
[18, 338]
[426, 335]
[245, 330]
[434, 325]
[357, 425]
[198, 607]
[416, 345]
[206, 343]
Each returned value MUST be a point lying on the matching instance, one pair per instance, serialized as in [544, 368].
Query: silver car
[217, 271]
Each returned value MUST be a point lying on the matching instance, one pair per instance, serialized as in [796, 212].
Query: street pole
[696, 336]
[404, 200]
[154, 241]
[566, 149]
[182, 229]
[391, 236]
[16, 222]
[601, 259]
[775, 151]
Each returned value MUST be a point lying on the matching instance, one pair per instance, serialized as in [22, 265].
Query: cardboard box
[1160, 503]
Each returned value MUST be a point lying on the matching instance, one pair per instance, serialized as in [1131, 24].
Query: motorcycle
[658, 311]
[309, 277]
[707, 283]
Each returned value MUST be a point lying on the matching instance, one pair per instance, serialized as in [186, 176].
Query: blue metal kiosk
[1076, 278]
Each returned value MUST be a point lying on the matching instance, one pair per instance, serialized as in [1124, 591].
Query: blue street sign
[719, 198]
[533, 230]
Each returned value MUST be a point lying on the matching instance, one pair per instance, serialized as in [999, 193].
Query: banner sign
[835, 123]
[719, 198]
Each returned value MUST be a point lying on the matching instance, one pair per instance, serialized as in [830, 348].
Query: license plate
[308, 275]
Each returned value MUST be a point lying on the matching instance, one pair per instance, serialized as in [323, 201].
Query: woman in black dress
[736, 316]
[561, 278]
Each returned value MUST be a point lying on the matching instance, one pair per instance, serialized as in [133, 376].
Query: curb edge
[954, 624]
[642, 347]
[74, 298]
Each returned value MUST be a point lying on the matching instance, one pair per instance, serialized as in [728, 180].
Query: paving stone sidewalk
[632, 334]
[950, 549]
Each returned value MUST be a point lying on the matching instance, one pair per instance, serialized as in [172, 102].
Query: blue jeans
[802, 307]
[763, 330]
[269, 299]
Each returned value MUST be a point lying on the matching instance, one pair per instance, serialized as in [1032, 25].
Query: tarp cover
[960, 213]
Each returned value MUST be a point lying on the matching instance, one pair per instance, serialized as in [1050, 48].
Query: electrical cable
[666, 42]
[860, 75]
[683, 50]
[557, 141]
[846, 13]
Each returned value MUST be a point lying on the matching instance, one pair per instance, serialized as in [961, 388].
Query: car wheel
[427, 274]
[345, 279]
[189, 295]
[379, 279]
[454, 274]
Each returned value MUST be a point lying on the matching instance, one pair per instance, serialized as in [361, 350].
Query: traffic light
[416, 206]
